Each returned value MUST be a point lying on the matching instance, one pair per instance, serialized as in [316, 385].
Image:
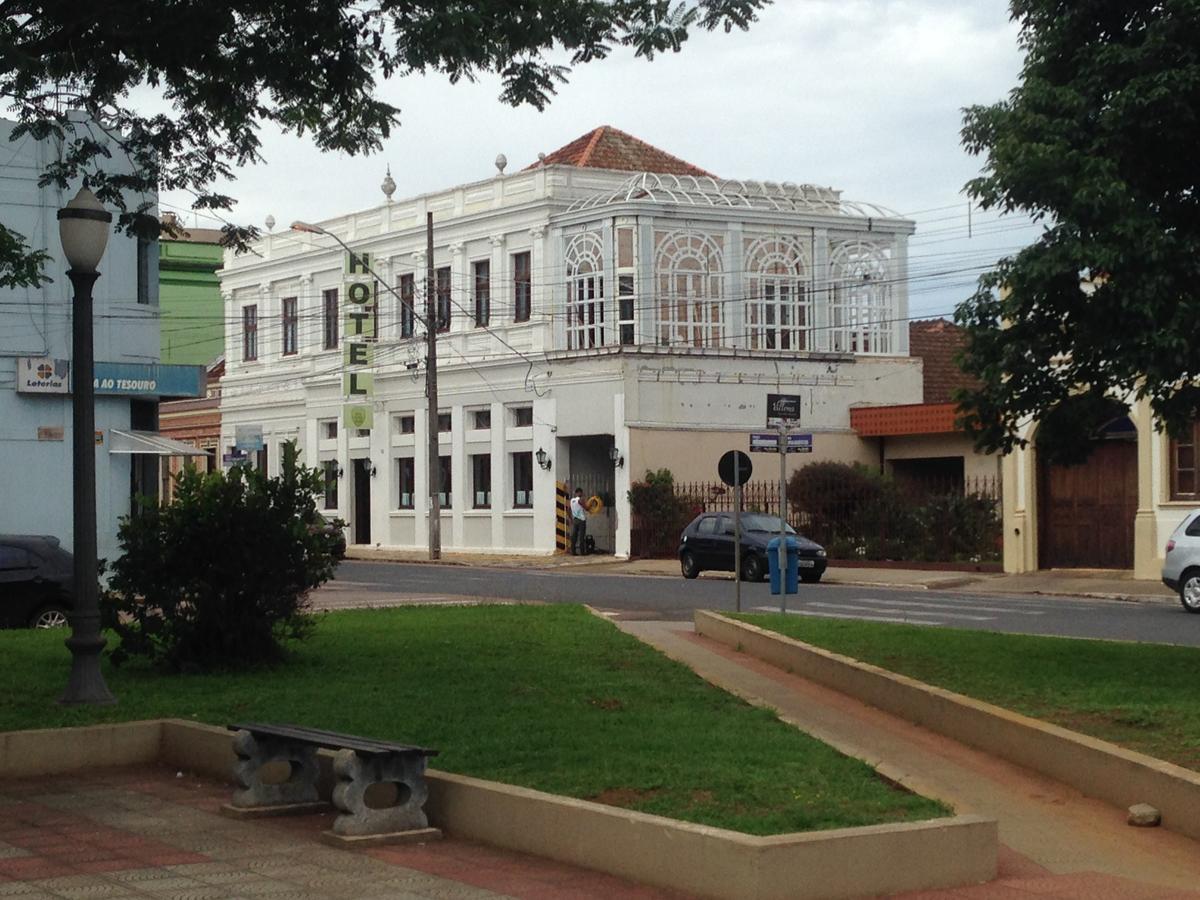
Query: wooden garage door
[1087, 511]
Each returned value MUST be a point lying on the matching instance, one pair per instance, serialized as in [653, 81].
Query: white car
[1181, 564]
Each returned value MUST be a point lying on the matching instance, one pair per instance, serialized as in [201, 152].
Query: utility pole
[434, 462]
[783, 448]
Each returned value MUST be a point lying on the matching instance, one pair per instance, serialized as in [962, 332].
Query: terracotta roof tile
[937, 342]
[610, 148]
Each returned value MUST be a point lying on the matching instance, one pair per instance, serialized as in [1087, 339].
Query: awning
[150, 442]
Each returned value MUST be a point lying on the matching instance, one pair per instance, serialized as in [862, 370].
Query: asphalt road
[360, 584]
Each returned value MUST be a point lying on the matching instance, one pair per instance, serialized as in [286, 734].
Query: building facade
[1116, 510]
[35, 356]
[608, 310]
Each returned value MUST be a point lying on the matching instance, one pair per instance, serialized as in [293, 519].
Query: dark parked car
[35, 581]
[707, 543]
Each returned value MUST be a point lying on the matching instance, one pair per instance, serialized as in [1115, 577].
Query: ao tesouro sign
[358, 359]
[42, 375]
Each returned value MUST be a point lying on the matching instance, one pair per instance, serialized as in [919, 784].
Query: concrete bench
[358, 764]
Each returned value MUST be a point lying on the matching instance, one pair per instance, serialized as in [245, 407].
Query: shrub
[220, 576]
[661, 513]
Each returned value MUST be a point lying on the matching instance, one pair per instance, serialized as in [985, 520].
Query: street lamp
[615, 457]
[543, 459]
[83, 229]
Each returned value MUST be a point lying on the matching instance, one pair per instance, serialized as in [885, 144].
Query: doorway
[361, 514]
[1086, 511]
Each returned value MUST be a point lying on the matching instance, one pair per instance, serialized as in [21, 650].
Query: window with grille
[330, 472]
[407, 424]
[406, 479]
[329, 429]
[522, 480]
[481, 480]
[291, 324]
[250, 333]
[482, 293]
[778, 311]
[408, 294]
[481, 419]
[444, 422]
[585, 292]
[329, 308]
[690, 280]
[442, 290]
[444, 496]
[1183, 465]
[522, 416]
[522, 286]
[861, 298]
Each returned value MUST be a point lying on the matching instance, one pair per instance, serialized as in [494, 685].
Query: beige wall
[922, 446]
[1157, 514]
[693, 455]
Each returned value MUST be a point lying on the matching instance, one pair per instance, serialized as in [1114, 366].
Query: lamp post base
[85, 683]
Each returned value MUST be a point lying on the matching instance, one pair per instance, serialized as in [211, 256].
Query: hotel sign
[358, 381]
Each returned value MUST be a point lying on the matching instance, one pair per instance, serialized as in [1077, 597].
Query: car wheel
[49, 617]
[810, 577]
[687, 564]
[1189, 590]
[753, 569]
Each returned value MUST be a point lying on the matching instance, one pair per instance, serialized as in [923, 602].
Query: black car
[35, 581]
[707, 543]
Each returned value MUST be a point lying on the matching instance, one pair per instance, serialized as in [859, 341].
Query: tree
[224, 67]
[220, 576]
[1098, 142]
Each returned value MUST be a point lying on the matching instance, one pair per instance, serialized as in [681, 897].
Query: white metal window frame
[690, 287]
[861, 304]
[779, 304]
[584, 260]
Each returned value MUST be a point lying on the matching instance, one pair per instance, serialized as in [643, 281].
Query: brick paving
[124, 834]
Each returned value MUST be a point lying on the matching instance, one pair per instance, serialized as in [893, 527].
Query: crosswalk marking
[952, 605]
[829, 615]
[914, 612]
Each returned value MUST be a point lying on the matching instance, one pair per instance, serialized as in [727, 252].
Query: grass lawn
[1141, 696]
[545, 697]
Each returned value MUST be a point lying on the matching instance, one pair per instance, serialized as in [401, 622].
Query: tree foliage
[219, 578]
[219, 69]
[1097, 142]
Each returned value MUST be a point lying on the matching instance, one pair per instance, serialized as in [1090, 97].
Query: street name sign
[768, 442]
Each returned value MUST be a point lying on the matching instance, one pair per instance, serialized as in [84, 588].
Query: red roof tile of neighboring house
[937, 342]
[610, 148]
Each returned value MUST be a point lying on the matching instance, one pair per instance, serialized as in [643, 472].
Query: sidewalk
[150, 834]
[1056, 843]
[1108, 584]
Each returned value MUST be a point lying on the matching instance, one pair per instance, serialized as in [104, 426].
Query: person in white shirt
[578, 524]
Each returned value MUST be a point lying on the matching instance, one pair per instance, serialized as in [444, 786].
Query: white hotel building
[610, 309]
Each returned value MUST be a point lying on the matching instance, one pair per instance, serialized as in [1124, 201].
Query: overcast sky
[862, 95]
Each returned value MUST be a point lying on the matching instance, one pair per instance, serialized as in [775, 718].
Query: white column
[346, 482]
[544, 491]
[458, 476]
[267, 329]
[621, 480]
[500, 287]
[381, 484]
[387, 316]
[460, 292]
[900, 293]
[822, 317]
[609, 263]
[421, 479]
[501, 475]
[308, 313]
[736, 285]
[540, 294]
[647, 285]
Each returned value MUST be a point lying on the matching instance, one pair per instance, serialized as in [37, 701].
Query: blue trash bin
[791, 579]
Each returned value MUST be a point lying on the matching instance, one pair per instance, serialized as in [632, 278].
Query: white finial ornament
[501, 162]
[389, 186]
[269, 221]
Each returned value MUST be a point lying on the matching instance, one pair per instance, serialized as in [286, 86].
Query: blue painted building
[35, 352]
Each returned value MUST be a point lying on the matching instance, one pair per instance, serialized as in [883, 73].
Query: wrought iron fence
[877, 519]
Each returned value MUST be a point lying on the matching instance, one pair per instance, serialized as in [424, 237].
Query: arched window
[585, 291]
[861, 298]
[778, 314]
[690, 279]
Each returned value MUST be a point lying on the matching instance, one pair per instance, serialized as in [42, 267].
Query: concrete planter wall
[1096, 768]
[711, 862]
